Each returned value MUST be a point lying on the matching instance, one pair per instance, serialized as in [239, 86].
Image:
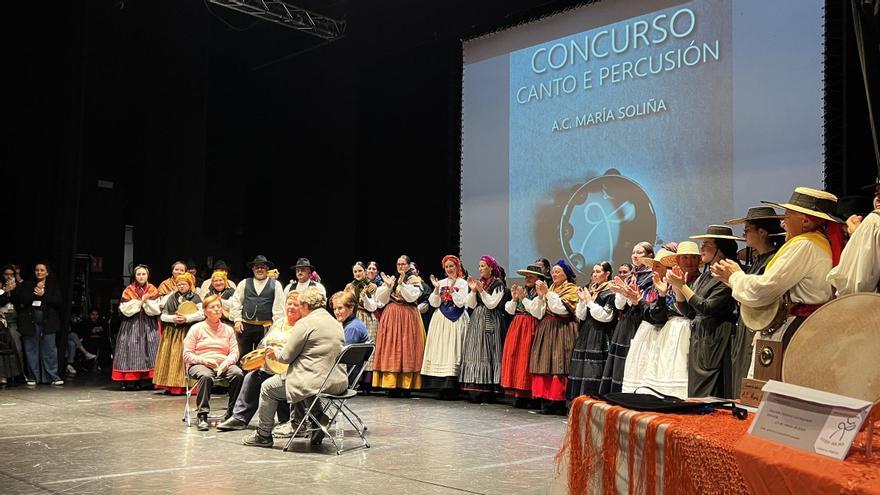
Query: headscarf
[569, 271]
[567, 290]
[496, 270]
[454, 259]
[187, 277]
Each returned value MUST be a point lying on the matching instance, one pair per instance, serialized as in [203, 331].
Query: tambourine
[187, 308]
[257, 358]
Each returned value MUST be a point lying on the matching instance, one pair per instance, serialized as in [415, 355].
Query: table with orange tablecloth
[668, 454]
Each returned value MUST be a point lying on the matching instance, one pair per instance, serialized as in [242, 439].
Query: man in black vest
[256, 304]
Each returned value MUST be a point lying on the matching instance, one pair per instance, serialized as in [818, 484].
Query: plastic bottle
[339, 434]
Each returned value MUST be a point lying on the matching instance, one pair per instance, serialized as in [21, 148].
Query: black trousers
[205, 376]
[249, 338]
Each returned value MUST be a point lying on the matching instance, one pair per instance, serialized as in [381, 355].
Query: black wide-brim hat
[261, 259]
[718, 232]
[756, 213]
[531, 270]
[813, 202]
[303, 263]
[221, 265]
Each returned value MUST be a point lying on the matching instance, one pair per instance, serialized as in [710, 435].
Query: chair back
[353, 356]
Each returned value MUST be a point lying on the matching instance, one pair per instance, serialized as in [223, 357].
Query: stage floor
[90, 437]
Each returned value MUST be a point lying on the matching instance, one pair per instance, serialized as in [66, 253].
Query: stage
[89, 437]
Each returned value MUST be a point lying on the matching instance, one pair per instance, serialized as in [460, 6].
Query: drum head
[836, 349]
[187, 308]
[253, 360]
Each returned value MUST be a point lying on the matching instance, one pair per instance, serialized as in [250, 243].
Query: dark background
[226, 136]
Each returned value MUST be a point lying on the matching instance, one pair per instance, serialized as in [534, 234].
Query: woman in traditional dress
[764, 235]
[637, 275]
[668, 364]
[527, 310]
[400, 339]
[138, 339]
[643, 346]
[364, 291]
[221, 286]
[554, 339]
[481, 350]
[440, 366]
[170, 371]
[595, 309]
[710, 305]
[168, 285]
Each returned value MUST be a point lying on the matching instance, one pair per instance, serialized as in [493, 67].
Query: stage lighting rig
[288, 15]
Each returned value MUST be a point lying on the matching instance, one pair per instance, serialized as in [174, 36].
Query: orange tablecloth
[610, 449]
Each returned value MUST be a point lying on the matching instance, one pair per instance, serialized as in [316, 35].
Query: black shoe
[203, 422]
[521, 403]
[231, 424]
[257, 440]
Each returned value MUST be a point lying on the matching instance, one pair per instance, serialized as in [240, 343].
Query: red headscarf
[454, 259]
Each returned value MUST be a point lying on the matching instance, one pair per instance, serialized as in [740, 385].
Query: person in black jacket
[39, 305]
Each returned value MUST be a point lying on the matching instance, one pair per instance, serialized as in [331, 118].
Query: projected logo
[603, 219]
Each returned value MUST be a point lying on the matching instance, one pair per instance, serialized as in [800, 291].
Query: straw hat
[684, 248]
[756, 213]
[658, 258]
[718, 232]
[847, 363]
[809, 201]
[758, 318]
[531, 270]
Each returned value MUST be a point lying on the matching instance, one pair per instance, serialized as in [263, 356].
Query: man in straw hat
[256, 304]
[859, 267]
[709, 303]
[814, 240]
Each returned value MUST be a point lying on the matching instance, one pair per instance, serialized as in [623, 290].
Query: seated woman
[211, 350]
[249, 397]
[344, 304]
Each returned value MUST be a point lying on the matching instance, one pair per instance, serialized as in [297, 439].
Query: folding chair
[190, 385]
[353, 356]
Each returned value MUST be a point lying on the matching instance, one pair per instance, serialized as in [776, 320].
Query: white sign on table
[809, 419]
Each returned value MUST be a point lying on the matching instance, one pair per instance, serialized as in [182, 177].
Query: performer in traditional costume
[629, 316]
[598, 316]
[137, 341]
[205, 289]
[859, 267]
[712, 309]
[798, 271]
[400, 341]
[258, 302]
[221, 286]
[667, 370]
[763, 234]
[639, 303]
[527, 310]
[180, 310]
[443, 347]
[304, 271]
[554, 338]
[168, 285]
[481, 353]
[364, 291]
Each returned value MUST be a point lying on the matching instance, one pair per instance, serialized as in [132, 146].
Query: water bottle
[339, 434]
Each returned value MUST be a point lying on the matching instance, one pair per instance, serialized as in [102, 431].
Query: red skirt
[550, 387]
[515, 376]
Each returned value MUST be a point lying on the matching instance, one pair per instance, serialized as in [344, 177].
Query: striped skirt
[400, 345]
[515, 375]
[136, 346]
[373, 329]
[481, 354]
[170, 370]
[619, 349]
